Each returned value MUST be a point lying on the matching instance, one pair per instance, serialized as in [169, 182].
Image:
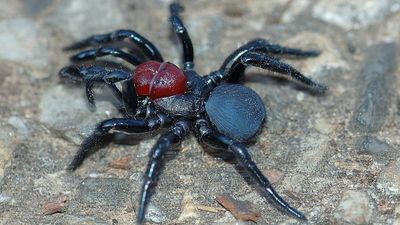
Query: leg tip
[71, 73]
[320, 89]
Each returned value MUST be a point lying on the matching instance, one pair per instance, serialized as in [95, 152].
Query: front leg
[106, 128]
[215, 140]
[95, 74]
[172, 138]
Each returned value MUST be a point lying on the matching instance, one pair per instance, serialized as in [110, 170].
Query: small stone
[243, 210]
[323, 126]
[373, 146]
[273, 176]
[111, 193]
[189, 208]
[123, 163]
[354, 208]
[300, 96]
[389, 178]
[154, 214]
[56, 206]
[20, 125]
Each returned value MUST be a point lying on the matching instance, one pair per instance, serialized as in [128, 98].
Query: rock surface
[331, 153]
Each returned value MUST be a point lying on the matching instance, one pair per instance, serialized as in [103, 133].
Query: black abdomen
[236, 111]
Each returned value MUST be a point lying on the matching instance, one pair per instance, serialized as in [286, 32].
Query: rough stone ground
[335, 157]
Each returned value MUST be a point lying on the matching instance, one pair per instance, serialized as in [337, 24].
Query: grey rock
[377, 78]
[64, 108]
[35, 7]
[155, 214]
[80, 220]
[373, 146]
[354, 208]
[389, 179]
[84, 18]
[353, 14]
[20, 125]
[22, 41]
[110, 193]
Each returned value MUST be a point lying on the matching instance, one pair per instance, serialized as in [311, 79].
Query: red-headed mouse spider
[220, 112]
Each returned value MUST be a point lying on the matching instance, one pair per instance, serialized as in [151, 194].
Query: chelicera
[220, 112]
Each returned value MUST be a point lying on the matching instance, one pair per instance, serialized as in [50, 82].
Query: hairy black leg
[168, 140]
[121, 125]
[232, 67]
[263, 61]
[180, 30]
[129, 98]
[90, 95]
[96, 75]
[145, 45]
[262, 45]
[216, 140]
[104, 51]
[270, 63]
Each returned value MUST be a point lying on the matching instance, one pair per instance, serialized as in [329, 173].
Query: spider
[221, 113]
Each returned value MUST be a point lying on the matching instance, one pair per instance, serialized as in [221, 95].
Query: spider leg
[95, 74]
[168, 140]
[129, 98]
[231, 66]
[262, 45]
[270, 63]
[145, 45]
[117, 125]
[242, 156]
[180, 30]
[104, 51]
[264, 61]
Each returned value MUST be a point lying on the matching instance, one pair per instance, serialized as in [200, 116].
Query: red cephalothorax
[159, 79]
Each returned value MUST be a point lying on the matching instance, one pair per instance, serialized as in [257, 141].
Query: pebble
[155, 214]
[111, 193]
[323, 125]
[389, 179]
[20, 125]
[373, 146]
[354, 208]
